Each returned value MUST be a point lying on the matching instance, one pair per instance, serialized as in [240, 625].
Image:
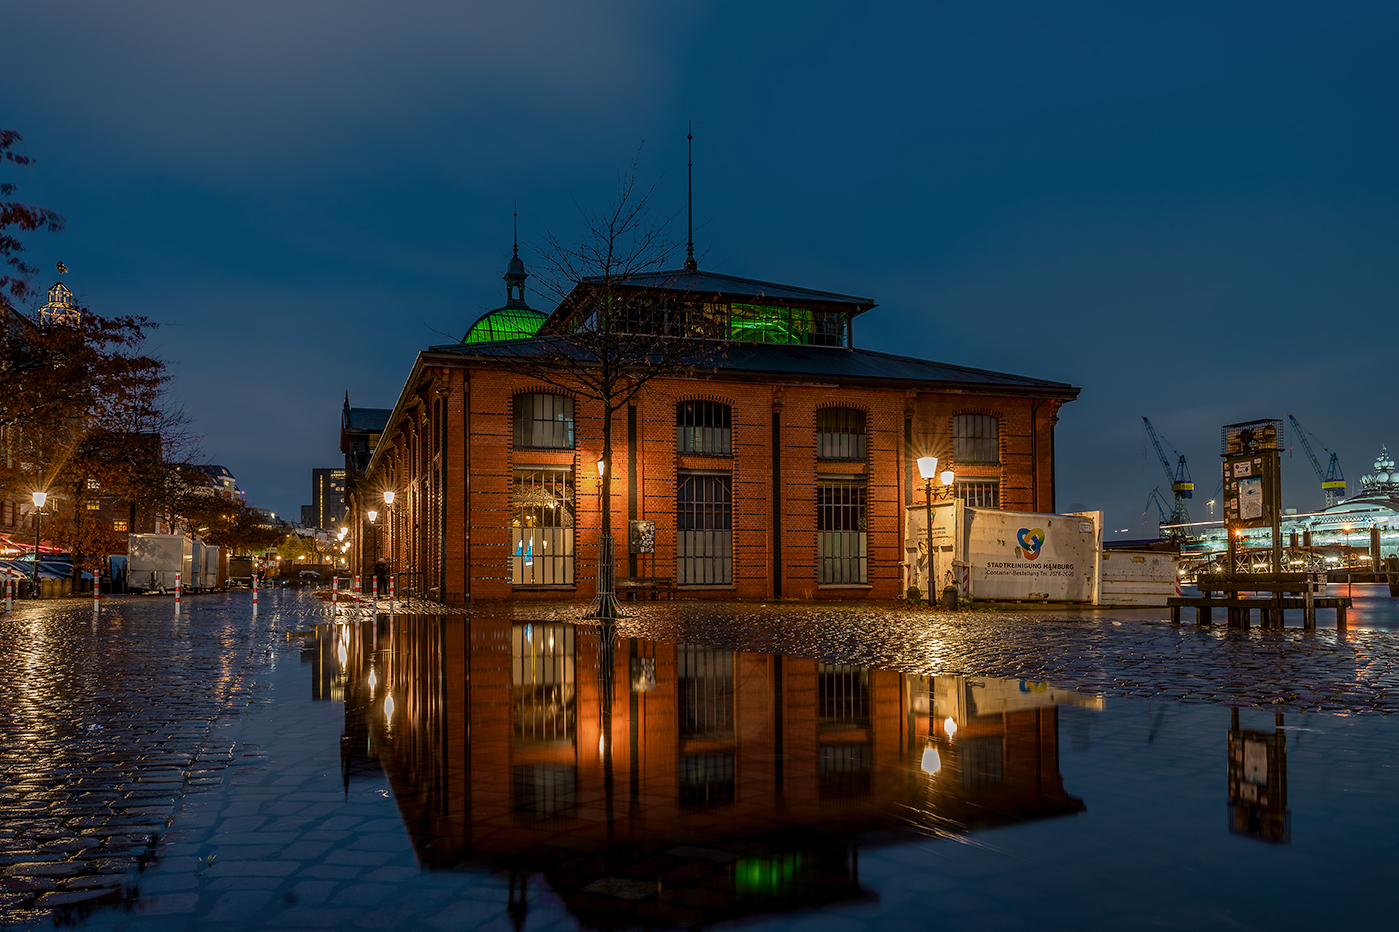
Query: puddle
[465, 772]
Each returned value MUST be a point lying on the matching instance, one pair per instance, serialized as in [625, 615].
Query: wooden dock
[1279, 592]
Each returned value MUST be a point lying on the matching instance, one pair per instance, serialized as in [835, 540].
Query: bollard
[177, 593]
[335, 595]
[392, 588]
[96, 588]
[9, 593]
[357, 588]
[255, 593]
[376, 594]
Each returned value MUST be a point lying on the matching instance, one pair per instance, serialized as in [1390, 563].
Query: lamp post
[928, 469]
[39, 499]
[388, 520]
[374, 532]
[604, 606]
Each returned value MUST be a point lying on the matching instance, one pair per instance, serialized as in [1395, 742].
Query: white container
[210, 572]
[192, 580]
[1145, 578]
[154, 559]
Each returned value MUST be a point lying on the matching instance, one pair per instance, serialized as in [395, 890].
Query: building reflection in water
[1258, 782]
[658, 783]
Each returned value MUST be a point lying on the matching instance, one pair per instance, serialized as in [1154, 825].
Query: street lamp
[39, 499]
[928, 469]
[374, 532]
[388, 519]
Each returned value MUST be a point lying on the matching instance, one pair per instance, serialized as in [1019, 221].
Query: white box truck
[210, 574]
[192, 581]
[154, 559]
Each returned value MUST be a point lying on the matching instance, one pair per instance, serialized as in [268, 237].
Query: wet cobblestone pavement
[106, 724]
[1136, 652]
[124, 746]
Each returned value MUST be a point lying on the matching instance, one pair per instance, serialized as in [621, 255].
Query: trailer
[155, 559]
[209, 575]
[192, 581]
[240, 571]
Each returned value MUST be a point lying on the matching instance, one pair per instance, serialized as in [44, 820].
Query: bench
[632, 587]
[1270, 610]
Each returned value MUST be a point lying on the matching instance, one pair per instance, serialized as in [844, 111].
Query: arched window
[840, 434]
[543, 422]
[704, 427]
[976, 439]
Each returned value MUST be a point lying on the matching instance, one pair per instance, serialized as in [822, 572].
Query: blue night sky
[1187, 209]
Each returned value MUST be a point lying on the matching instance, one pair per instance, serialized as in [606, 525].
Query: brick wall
[478, 458]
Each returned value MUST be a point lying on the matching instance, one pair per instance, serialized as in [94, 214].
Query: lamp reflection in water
[373, 681]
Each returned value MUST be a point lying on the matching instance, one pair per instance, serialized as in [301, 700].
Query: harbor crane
[1160, 502]
[1333, 481]
[1182, 486]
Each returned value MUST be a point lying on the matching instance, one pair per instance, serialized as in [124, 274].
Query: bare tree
[623, 320]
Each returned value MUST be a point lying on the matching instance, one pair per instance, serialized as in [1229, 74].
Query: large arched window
[704, 427]
[976, 439]
[543, 422]
[840, 434]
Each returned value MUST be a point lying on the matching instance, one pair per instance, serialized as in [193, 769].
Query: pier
[1296, 591]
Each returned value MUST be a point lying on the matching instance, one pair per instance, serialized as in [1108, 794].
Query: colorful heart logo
[1031, 540]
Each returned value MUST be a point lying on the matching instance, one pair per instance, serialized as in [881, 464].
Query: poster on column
[1022, 555]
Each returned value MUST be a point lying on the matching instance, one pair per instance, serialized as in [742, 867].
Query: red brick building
[782, 468]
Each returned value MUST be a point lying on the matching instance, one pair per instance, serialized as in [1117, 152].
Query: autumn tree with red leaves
[84, 410]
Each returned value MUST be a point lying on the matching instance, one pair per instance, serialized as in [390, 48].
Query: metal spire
[690, 265]
[517, 228]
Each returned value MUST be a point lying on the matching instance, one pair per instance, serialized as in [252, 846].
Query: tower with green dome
[516, 320]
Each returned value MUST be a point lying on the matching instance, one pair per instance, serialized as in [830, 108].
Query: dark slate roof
[835, 364]
[214, 471]
[733, 288]
[370, 419]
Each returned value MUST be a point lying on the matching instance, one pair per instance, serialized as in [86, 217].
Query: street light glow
[927, 466]
[40, 498]
[372, 515]
[388, 498]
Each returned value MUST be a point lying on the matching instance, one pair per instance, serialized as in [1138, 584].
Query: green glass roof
[506, 323]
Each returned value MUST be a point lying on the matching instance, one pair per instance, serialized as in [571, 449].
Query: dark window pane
[543, 422]
[840, 434]
[704, 530]
[706, 691]
[841, 541]
[976, 438]
[704, 427]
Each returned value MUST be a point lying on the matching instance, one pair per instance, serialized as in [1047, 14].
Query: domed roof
[516, 267]
[505, 323]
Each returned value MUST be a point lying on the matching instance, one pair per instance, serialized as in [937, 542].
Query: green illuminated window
[763, 323]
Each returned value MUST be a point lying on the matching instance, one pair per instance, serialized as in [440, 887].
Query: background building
[327, 508]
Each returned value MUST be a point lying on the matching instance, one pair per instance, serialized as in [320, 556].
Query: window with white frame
[541, 527]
